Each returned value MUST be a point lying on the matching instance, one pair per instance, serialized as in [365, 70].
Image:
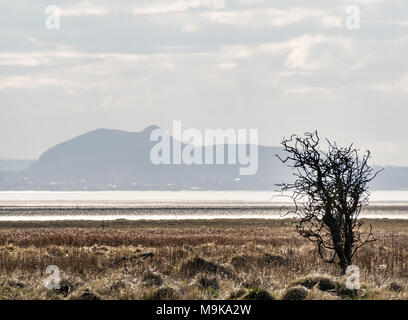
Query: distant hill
[14, 165]
[392, 178]
[117, 160]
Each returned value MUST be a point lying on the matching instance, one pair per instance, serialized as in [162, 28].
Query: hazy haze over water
[157, 205]
[134, 197]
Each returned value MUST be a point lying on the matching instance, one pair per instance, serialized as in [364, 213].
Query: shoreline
[178, 212]
[183, 223]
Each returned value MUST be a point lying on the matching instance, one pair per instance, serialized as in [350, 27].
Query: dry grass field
[212, 259]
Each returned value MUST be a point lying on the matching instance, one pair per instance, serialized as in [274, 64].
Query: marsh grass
[208, 261]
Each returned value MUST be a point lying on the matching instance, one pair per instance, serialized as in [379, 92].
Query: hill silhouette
[106, 159]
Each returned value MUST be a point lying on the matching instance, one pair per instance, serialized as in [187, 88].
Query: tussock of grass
[237, 294]
[258, 294]
[199, 265]
[271, 259]
[151, 278]
[165, 293]
[87, 295]
[243, 262]
[204, 282]
[65, 287]
[323, 283]
[397, 286]
[296, 293]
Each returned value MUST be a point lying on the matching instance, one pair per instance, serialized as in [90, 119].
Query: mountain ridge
[111, 159]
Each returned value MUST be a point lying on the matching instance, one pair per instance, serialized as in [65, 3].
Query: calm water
[155, 205]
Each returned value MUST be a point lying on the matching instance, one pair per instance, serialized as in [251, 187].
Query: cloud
[300, 52]
[47, 58]
[29, 82]
[398, 85]
[176, 6]
[262, 17]
[332, 21]
[249, 18]
[227, 65]
[306, 89]
[399, 22]
[13, 59]
[369, 1]
[85, 8]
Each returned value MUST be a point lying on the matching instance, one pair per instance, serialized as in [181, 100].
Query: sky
[281, 67]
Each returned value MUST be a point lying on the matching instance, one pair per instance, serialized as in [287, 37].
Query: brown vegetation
[239, 260]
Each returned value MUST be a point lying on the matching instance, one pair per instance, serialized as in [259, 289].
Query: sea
[173, 205]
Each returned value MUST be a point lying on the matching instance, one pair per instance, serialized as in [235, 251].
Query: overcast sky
[277, 66]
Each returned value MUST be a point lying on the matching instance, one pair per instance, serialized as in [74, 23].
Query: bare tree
[329, 191]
